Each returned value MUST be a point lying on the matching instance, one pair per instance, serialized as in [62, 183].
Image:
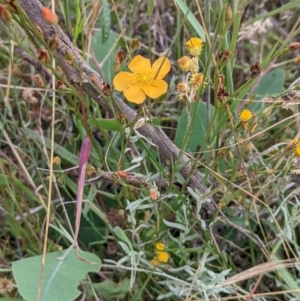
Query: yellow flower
[246, 115]
[160, 246]
[194, 46]
[163, 256]
[297, 151]
[183, 63]
[143, 80]
[196, 80]
[187, 63]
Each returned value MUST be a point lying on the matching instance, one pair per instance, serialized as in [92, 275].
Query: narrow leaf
[192, 19]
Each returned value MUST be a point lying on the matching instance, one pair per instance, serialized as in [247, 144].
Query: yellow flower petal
[155, 89]
[139, 64]
[161, 68]
[246, 115]
[123, 80]
[194, 42]
[135, 94]
[297, 152]
[194, 46]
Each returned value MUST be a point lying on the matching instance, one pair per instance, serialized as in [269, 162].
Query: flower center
[144, 78]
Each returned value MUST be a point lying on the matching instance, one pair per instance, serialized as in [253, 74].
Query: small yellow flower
[297, 151]
[143, 80]
[163, 256]
[246, 115]
[196, 80]
[187, 63]
[160, 246]
[183, 63]
[194, 46]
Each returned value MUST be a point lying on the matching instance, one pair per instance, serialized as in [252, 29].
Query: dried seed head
[16, 70]
[56, 160]
[90, 170]
[182, 87]
[106, 89]
[39, 29]
[228, 13]
[43, 55]
[118, 60]
[223, 56]
[53, 43]
[6, 285]
[60, 85]
[135, 44]
[29, 96]
[112, 247]
[46, 113]
[38, 80]
[13, 6]
[255, 69]
[5, 14]
[116, 217]
[222, 93]
[154, 194]
[294, 46]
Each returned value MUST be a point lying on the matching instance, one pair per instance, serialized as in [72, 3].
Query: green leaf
[62, 273]
[192, 19]
[105, 53]
[270, 85]
[105, 21]
[113, 124]
[10, 299]
[199, 127]
[291, 280]
[110, 289]
[59, 150]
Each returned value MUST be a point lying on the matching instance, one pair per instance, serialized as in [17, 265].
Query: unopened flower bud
[5, 15]
[118, 60]
[294, 46]
[135, 44]
[154, 194]
[228, 13]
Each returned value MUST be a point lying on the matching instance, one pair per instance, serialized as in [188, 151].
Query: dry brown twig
[84, 78]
